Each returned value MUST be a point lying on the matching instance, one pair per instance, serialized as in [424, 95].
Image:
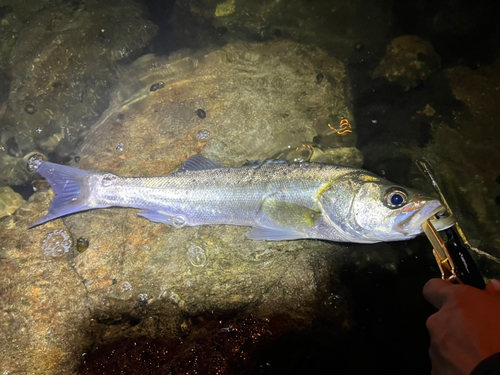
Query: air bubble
[109, 179]
[196, 256]
[179, 221]
[34, 161]
[202, 134]
[56, 243]
[30, 109]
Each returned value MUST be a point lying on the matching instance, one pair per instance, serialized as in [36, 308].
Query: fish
[279, 200]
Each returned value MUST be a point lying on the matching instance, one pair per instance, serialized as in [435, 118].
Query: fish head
[377, 210]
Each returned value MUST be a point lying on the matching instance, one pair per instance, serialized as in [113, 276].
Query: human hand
[466, 329]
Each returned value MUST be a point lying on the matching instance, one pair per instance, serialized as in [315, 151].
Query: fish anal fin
[177, 221]
[290, 215]
[273, 234]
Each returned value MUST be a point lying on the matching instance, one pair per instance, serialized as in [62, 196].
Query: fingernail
[495, 284]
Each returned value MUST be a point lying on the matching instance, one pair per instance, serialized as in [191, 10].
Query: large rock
[345, 29]
[408, 61]
[10, 201]
[138, 278]
[467, 155]
[60, 69]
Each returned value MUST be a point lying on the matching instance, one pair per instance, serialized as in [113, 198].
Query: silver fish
[279, 200]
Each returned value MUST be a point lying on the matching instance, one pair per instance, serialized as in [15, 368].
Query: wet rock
[4, 87]
[272, 86]
[345, 156]
[13, 170]
[61, 73]
[305, 22]
[10, 201]
[43, 301]
[468, 155]
[226, 347]
[408, 61]
[139, 278]
[320, 154]
[461, 32]
[281, 105]
[225, 8]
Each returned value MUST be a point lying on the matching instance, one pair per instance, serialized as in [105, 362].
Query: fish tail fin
[70, 185]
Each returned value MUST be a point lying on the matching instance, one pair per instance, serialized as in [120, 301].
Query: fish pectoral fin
[290, 215]
[273, 234]
[177, 221]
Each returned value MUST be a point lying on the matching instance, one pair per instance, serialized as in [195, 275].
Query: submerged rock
[42, 299]
[141, 278]
[408, 61]
[61, 67]
[337, 27]
[10, 201]
[467, 155]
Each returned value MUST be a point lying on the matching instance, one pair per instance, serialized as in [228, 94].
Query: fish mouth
[433, 210]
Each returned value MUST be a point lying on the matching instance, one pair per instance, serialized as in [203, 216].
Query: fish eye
[395, 197]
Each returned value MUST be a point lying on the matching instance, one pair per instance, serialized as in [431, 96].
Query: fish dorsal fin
[199, 163]
[290, 215]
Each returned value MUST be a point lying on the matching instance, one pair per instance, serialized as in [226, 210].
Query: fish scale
[234, 193]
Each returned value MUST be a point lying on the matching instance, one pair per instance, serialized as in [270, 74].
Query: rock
[339, 27]
[316, 153]
[61, 68]
[408, 61]
[142, 279]
[258, 98]
[43, 312]
[344, 156]
[468, 156]
[10, 201]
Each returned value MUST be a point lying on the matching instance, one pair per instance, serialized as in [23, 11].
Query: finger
[436, 291]
[433, 323]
